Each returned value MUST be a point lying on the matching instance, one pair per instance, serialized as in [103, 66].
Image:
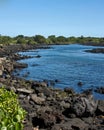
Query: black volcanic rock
[96, 50]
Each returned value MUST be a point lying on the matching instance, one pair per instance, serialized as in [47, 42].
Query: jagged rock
[1, 85]
[37, 100]
[2, 80]
[2, 59]
[13, 89]
[88, 120]
[84, 106]
[22, 96]
[7, 76]
[8, 66]
[96, 50]
[100, 109]
[39, 84]
[45, 90]
[100, 90]
[64, 104]
[71, 124]
[44, 109]
[69, 90]
[24, 90]
[47, 119]
[1, 70]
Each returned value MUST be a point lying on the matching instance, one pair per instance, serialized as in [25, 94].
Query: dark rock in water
[20, 65]
[96, 50]
[51, 83]
[34, 65]
[100, 90]
[88, 91]
[38, 56]
[26, 74]
[56, 80]
[80, 84]
[18, 57]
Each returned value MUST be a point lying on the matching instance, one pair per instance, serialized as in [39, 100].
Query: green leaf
[11, 113]
[11, 127]
[4, 128]
[5, 122]
[18, 117]
[18, 126]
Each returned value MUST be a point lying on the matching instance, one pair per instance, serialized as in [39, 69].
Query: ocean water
[69, 64]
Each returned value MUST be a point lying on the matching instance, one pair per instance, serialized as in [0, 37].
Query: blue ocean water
[69, 64]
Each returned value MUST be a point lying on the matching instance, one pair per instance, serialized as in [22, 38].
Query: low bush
[11, 113]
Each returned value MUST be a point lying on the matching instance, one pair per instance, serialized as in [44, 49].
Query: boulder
[100, 108]
[71, 124]
[1, 69]
[2, 59]
[79, 83]
[69, 90]
[24, 90]
[36, 99]
[64, 104]
[41, 88]
[47, 119]
[84, 106]
[8, 66]
[1, 65]
[20, 65]
[38, 56]
[100, 90]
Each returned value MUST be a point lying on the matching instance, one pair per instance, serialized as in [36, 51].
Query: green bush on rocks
[11, 113]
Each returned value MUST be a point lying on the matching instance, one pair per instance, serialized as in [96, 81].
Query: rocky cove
[49, 108]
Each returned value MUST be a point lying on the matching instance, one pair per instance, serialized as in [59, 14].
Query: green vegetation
[11, 114]
[39, 39]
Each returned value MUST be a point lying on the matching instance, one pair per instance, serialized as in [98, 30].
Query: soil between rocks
[49, 108]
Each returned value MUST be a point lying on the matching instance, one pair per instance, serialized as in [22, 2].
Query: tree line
[52, 39]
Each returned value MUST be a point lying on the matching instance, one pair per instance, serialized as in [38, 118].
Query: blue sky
[48, 17]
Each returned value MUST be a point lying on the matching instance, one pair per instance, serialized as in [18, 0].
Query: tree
[52, 38]
[71, 39]
[19, 36]
[21, 41]
[5, 40]
[61, 39]
[39, 39]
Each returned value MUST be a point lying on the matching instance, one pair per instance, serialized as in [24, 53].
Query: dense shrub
[11, 113]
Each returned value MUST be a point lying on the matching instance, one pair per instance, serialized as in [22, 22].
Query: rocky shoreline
[96, 50]
[49, 108]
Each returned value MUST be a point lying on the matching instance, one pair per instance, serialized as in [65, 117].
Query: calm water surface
[67, 63]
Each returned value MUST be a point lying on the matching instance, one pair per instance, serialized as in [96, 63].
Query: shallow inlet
[69, 64]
